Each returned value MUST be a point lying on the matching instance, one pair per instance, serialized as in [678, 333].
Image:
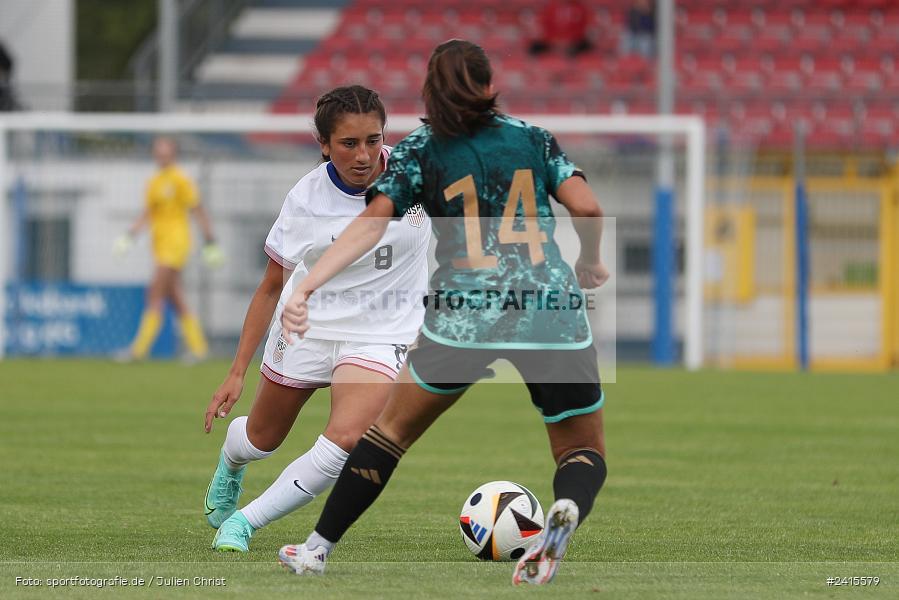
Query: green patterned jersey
[501, 281]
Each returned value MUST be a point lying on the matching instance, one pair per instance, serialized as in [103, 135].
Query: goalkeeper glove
[213, 255]
[122, 244]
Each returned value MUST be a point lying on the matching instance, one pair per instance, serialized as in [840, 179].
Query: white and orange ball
[500, 520]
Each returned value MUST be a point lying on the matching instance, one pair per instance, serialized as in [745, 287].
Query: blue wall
[63, 319]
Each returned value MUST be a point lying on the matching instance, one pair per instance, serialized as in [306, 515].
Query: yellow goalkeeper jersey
[170, 196]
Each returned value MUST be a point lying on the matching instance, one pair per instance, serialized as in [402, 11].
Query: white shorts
[309, 364]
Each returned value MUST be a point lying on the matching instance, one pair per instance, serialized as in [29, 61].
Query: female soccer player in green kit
[492, 175]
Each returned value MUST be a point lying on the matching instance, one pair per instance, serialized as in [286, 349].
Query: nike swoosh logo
[209, 509]
[296, 482]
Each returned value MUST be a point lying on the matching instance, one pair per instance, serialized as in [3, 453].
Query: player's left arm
[360, 236]
[569, 186]
[212, 253]
[202, 218]
[190, 199]
[584, 207]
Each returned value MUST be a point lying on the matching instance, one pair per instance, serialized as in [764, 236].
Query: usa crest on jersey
[280, 347]
[416, 215]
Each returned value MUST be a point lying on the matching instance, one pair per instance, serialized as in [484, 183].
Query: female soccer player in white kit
[360, 330]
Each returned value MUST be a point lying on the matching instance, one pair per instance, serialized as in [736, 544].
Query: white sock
[302, 480]
[237, 448]
[315, 541]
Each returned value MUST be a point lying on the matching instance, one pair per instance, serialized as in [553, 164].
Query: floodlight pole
[167, 80]
[664, 249]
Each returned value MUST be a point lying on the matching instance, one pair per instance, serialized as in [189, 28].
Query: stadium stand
[751, 67]
[747, 65]
[263, 52]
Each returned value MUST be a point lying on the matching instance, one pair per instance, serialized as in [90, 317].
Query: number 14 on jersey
[521, 191]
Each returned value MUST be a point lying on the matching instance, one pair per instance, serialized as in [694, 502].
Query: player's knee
[587, 463]
[263, 437]
[345, 438]
[568, 452]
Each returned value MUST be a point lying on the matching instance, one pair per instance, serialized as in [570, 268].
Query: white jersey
[377, 299]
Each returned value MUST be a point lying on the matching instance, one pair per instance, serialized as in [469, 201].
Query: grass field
[721, 485]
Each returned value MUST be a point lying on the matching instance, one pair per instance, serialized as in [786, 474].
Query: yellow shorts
[173, 256]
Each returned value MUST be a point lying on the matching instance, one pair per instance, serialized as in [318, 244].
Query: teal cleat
[223, 493]
[234, 534]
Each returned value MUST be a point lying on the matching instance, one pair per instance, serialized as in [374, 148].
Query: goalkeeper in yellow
[170, 196]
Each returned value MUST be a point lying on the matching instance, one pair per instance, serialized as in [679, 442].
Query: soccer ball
[500, 520]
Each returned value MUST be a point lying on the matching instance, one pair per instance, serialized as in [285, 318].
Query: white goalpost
[689, 129]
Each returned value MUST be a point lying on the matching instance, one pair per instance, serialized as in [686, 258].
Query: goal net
[75, 182]
[756, 292]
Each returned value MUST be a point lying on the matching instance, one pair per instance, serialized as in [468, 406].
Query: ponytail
[455, 92]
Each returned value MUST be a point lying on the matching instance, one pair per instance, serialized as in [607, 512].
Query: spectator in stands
[640, 33]
[7, 97]
[563, 23]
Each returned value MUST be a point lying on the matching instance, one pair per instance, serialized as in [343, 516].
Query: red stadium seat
[779, 20]
[696, 36]
[779, 136]
[891, 17]
[619, 87]
[864, 64]
[739, 19]
[635, 63]
[822, 82]
[855, 26]
[789, 62]
[771, 45]
[700, 17]
[864, 82]
[742, 64]
[709, 62]
[890, 84]
[827, 64]
[817, 21]
[829, 140]
[809, 43]
[857, 19]
[590, 62]
[552, 63]
[745, 82]
[877, 132]
[783, 82]
[703, 82]
[757, 61]
[883, 42]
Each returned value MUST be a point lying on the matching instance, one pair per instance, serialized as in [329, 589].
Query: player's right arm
[139, 224]
[122, 244]
[575, 195]
[255, 325]
[144, 217]
[360, 236]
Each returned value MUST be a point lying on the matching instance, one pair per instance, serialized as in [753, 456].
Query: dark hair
[353, 99]
[455, 91]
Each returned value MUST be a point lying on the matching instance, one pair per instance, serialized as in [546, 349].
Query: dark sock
[579, 477]
[366, 472]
